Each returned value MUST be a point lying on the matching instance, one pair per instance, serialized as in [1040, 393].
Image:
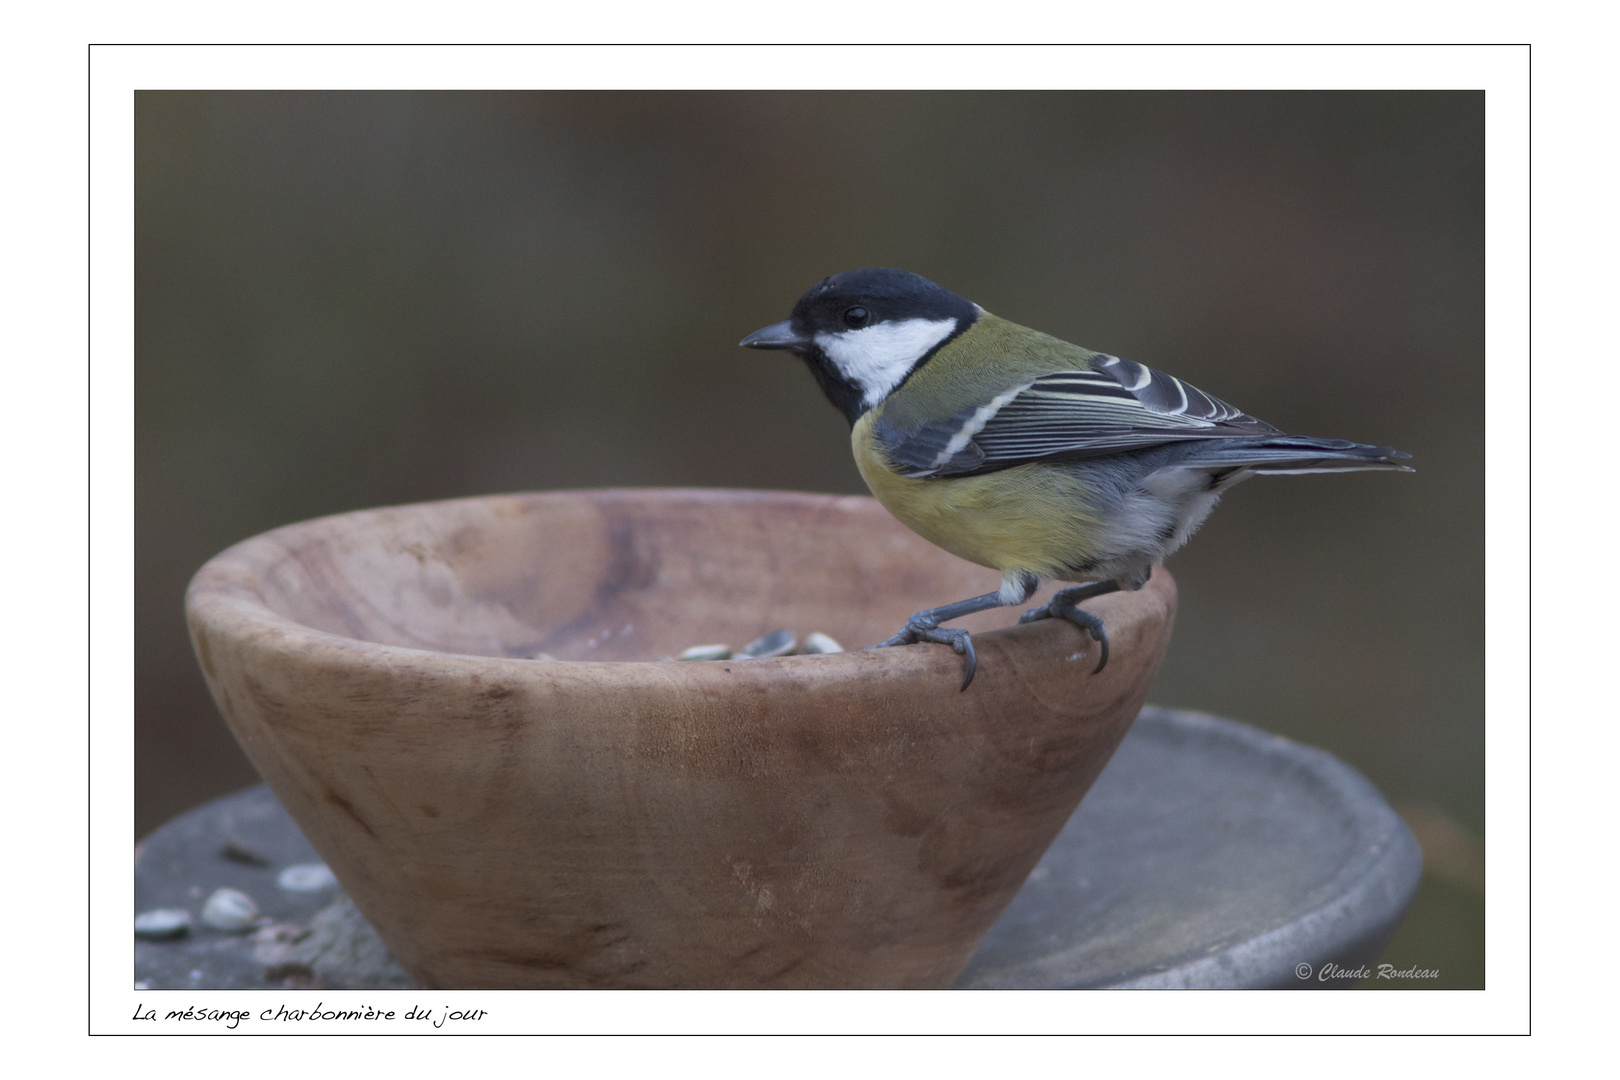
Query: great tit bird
[1023, 453]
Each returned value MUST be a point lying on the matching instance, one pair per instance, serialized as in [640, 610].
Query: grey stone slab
[303, 939]
[1208, 854]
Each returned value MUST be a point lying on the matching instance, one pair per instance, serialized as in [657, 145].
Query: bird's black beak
[776, 336]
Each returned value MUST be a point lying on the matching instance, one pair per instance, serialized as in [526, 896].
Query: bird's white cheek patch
[876, 358]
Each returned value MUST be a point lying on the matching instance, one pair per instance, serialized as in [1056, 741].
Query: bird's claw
[1085, 620]
[919, 630]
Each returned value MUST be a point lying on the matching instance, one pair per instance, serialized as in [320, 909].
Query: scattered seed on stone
[306, 877]
[236, 851]
[230, 911]
[162, 924]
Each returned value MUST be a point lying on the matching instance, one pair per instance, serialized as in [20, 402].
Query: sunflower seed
[706, 652]
[821, 643]
[306, 877]
[162, 924]
[230, 911]
[776, 643]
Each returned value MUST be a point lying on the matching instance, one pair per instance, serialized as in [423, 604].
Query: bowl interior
[612, 575]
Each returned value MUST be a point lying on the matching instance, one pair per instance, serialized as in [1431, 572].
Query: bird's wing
[1068, 415]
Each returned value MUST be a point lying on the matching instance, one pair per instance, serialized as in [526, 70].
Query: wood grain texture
[608, 819]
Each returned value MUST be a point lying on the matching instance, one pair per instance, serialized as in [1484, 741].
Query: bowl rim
[221, 593]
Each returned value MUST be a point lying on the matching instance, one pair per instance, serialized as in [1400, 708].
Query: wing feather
[1069, 415]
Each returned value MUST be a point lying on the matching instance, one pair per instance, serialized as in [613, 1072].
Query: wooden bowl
[609, 818]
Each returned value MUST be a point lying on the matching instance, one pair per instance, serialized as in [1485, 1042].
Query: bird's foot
[1062, 607]
[920, 628]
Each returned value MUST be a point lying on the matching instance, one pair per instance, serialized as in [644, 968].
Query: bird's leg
[1016, 587]
[924, 626]
[1063, 605]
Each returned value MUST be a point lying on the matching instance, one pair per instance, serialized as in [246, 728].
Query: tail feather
[1291, 454]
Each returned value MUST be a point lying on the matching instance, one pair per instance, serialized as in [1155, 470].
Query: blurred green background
[354, 299]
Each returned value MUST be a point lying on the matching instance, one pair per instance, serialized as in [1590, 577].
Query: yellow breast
[1033, 518]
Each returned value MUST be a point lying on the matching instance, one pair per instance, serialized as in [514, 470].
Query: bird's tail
[1282, 455]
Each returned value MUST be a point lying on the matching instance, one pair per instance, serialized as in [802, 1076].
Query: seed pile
[776, 643]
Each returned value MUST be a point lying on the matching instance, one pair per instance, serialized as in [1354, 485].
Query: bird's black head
[863, 332]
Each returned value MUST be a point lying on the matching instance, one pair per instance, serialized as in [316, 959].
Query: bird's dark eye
[857, 317]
